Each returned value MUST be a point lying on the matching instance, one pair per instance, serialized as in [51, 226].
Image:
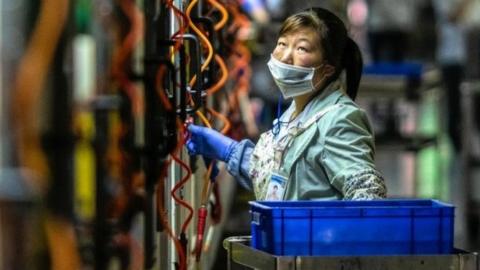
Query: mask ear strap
[277, 126]
[330, 72]
[316, 85]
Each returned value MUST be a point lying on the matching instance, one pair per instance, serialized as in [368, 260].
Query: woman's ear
[328, 70]
[324, 72]
[323, 75]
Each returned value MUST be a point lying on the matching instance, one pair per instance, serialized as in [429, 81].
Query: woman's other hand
[209, 143]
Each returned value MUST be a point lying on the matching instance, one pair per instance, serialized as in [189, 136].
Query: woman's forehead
[308, 34]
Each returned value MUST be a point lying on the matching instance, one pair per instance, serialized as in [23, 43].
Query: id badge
[276, 187]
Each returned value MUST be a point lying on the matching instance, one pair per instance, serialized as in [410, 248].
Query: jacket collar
[329, 96]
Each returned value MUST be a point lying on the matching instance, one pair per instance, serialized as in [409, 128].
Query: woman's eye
[302, 49]
[281, 44]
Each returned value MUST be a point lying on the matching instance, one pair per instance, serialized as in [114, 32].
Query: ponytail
[339, 49]
[353, 64]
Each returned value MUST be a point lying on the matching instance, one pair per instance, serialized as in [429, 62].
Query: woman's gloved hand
[209, 143]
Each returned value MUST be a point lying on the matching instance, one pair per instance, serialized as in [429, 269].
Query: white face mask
[292, 80]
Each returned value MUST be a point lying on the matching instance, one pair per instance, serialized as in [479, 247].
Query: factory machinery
[109, 183]
[97, 96]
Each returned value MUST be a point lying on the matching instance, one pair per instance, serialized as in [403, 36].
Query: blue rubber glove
[209, 143]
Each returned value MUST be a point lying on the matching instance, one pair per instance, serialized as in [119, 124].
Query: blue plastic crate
[380, 227]
[411, 70]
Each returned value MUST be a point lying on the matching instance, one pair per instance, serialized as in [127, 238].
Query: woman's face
[300, 48]
[303, 48]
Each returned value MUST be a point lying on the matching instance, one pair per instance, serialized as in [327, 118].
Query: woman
[322, 146]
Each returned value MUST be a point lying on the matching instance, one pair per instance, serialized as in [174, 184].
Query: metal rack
[242, 256]
[395, 104]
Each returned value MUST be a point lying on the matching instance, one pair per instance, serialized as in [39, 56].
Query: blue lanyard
[276, 127]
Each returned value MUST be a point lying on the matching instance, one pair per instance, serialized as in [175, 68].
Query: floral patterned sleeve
[367, 184]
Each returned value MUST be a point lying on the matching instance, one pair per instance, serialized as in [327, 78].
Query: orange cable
[203, 118]
[224, 12]
[28, 88]
[206, 185]
[227, 124]
[214, 89]
[219, 84]
[202, 37]
[209, 57]
[223, 79]
[159, 79]
[217, 87]
[29, 85]
[162, 70]
[200, 34]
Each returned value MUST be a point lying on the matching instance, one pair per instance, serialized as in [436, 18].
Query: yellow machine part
[84, 167]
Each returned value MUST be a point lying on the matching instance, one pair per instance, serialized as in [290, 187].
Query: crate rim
[435, 203]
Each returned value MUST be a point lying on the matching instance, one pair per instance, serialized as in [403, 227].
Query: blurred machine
[95, 99]
[97, 110]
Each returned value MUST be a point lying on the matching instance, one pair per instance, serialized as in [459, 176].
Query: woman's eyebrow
[301, 39]
[304, 39]
[310, 42]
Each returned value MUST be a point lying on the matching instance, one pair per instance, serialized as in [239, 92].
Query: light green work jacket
[333, 158]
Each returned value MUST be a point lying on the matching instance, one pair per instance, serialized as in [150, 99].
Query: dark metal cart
[242, 256]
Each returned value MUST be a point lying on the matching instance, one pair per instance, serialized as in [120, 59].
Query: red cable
[131, 40]
[177, 187]
[202, 217]
[178, 42]
[169, 107]
[182, 183]
[163, 219]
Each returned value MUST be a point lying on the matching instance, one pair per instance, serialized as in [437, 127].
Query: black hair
[340, 50]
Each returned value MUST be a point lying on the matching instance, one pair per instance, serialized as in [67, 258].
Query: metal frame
[241, 254]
